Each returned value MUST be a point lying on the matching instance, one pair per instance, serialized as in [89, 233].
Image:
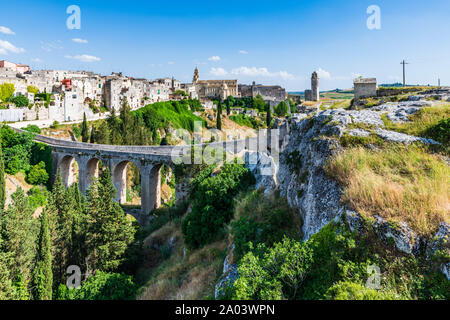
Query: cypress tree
[268, 116]
[114, 127]
[19, 232]
[7, 290]
[84, 129]
[60, 211]
[43, 277]
[102, 135]
[2, 180]
[126, 123]
[219, 116]
[109, 231]
[92, 137]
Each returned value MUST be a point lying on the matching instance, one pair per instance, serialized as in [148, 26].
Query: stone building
[308, 95]
[213, 89]
[365, 88]
[268, 93]
[19, 68]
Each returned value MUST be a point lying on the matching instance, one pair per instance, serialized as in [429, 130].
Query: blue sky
[270, 42]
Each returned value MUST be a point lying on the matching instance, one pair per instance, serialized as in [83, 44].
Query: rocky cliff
[313, 140]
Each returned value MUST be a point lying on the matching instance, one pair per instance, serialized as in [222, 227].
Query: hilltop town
[63, 95]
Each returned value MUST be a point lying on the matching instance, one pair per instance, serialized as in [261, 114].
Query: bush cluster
[213, 204]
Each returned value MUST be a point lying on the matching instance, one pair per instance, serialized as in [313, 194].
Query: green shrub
[347, 290]
[440, 131]
[273, 273]
[101, 286]
[38, 174]
[20, 101]
[55, 125]
[33, 129]
[37, 197]
[17, 150]
[76, 131]
[213, 204]
[262, 219]
[282, 109]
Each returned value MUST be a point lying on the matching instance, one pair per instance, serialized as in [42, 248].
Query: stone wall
[383, 92]
[365, 90]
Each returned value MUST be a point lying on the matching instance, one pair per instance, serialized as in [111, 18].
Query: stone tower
[196, 76]
[315, 87]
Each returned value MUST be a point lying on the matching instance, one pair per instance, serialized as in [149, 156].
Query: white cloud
[171, 62]
[323, 74]
[78, 40]
[243, 52]
[218, 72]
[261, 72]
[84, 58]
[214, 58]
[252, 72]
[6, 30]
[49, 46]
[7, 47]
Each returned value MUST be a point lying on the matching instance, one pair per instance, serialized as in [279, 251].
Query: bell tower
[196, 76]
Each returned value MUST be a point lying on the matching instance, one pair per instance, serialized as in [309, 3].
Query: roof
[365, 80]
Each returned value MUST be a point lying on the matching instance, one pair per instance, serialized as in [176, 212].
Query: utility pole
[404, 63]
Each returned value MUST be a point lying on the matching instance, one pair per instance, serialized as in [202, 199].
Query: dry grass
[184, 277]
[398, 183]
[345, 104]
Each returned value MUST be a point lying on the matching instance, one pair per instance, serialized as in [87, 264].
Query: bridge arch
[92, 171]
[119, 178]
[67, 168]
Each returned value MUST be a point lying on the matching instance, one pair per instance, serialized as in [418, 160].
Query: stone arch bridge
[148, 159]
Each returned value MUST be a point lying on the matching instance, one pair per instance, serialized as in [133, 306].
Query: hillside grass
[346, 104]
[170, 113]
[344, 94]
[399, 183]
[422, 123]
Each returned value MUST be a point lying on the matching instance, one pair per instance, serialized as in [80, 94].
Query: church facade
[214, 89]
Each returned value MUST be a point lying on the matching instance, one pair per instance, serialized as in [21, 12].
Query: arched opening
[127, 181]
[168, 186]
[68, 168]
[93, 168]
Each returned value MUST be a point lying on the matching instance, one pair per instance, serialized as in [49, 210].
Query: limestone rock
[405, 239]
[394, 136]
[264, 169]
[441, 242]
[229, 276]
[359, 133]
[317, 197]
